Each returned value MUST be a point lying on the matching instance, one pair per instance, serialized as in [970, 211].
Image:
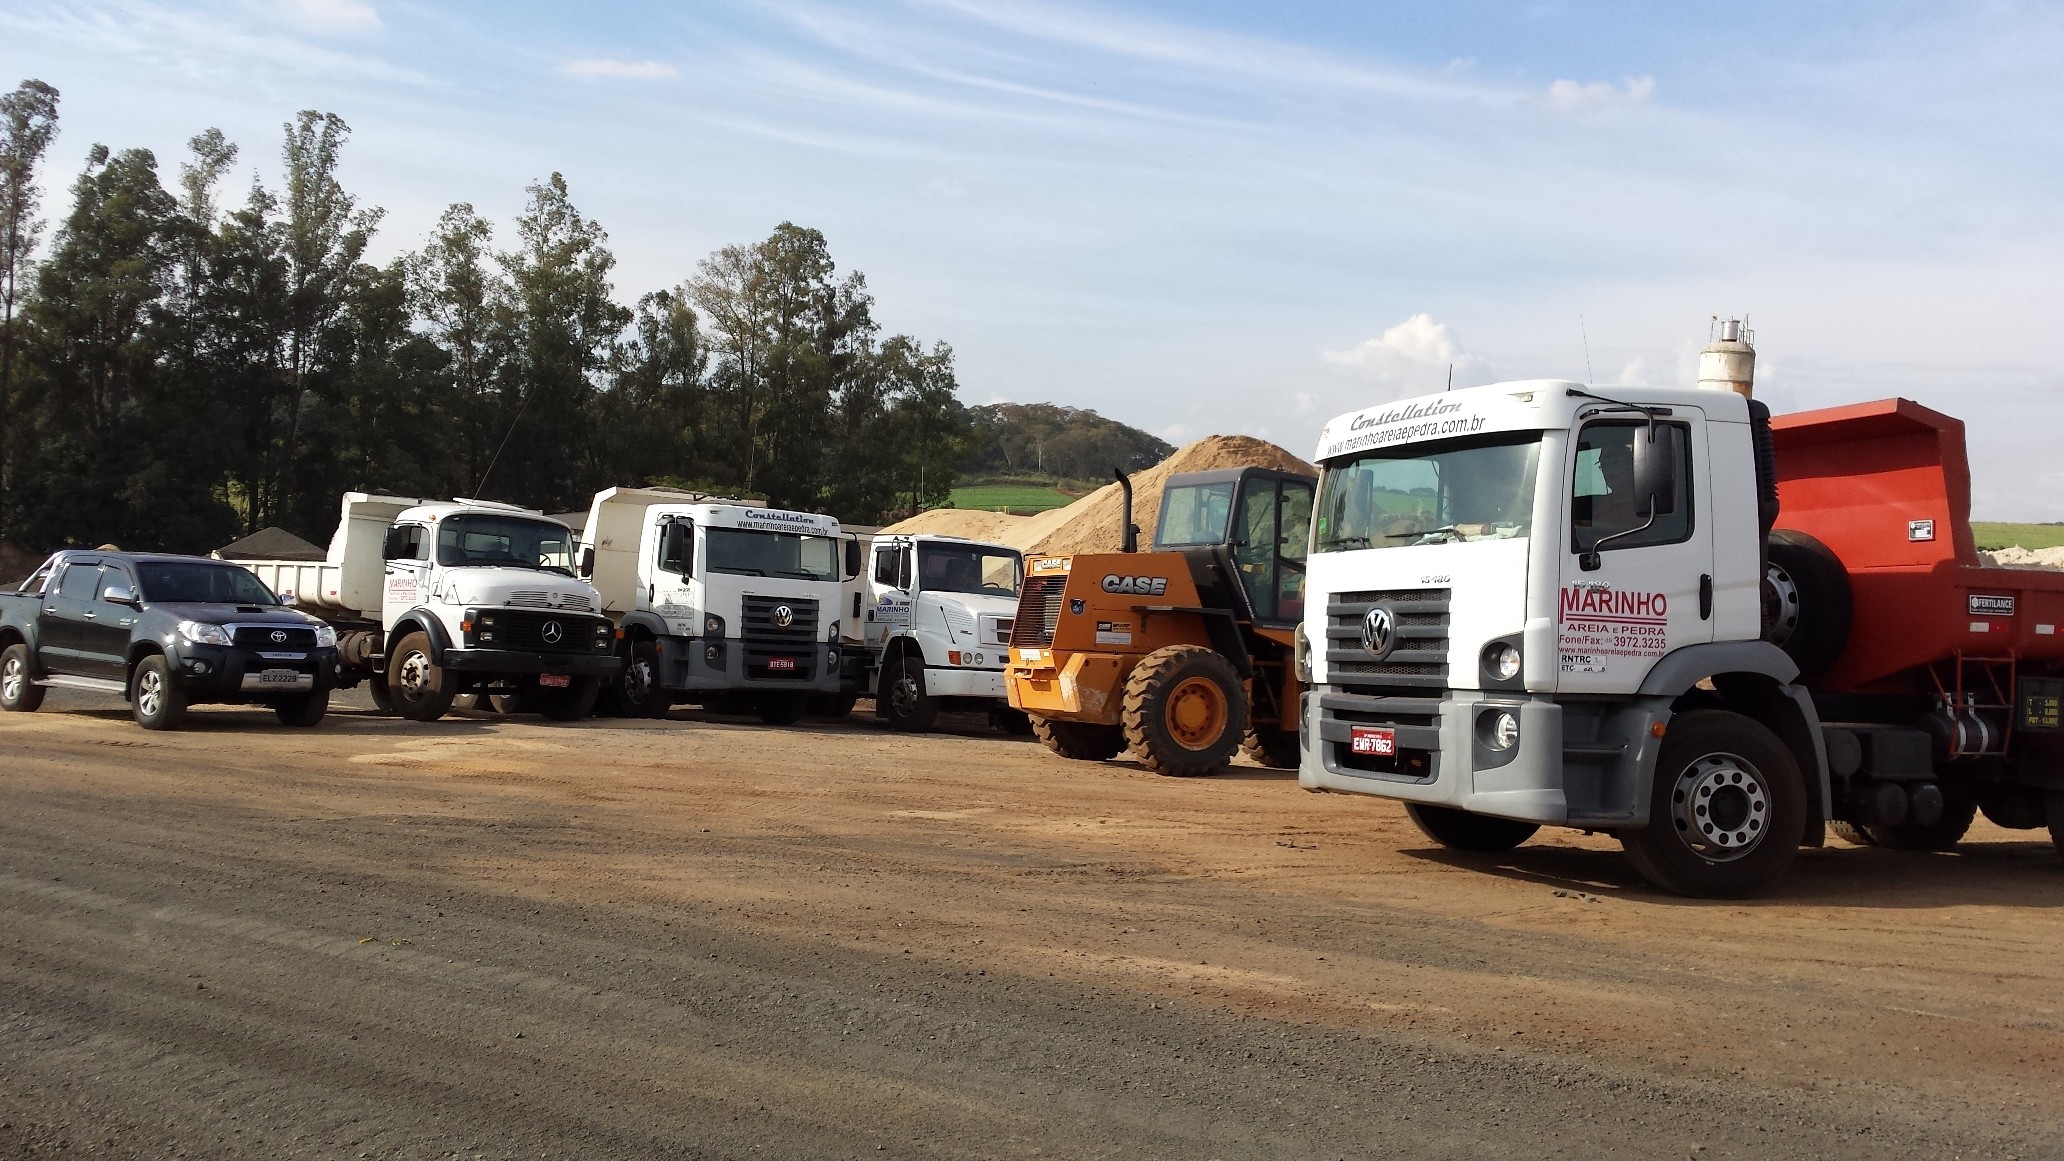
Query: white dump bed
[347, 585]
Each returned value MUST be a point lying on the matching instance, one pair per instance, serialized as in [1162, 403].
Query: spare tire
[1805, 601]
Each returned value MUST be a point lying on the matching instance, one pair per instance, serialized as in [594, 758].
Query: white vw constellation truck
[1536, 603]
[939, 617]
[432, 599]
[733, 605]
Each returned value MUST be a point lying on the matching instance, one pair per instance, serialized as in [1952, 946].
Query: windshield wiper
[798, 573]
[1448, 530]
[739, 570]
[1337, 541]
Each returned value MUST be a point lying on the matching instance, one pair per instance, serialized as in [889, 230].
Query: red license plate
[1374, 741]
[783, 663]
[555, 680]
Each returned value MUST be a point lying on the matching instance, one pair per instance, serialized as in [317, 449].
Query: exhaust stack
[1729, 361]
[1128, 532]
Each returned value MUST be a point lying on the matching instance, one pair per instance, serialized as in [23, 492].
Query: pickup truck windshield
[1430, 493]
[505, 540]
[752, 553]
[966, 568]
[213, 584]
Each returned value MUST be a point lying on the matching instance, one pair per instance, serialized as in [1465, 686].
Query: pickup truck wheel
[306, 710]
[1272, 746]
[1462, 831]
[1945, 832]
[420, 687]
[640, 694]
[1082, 741]
[1727, 810]
[18, 689]
[1185, 711]
[903, 702]
[782, 709]
[570, 704]
[155, 701]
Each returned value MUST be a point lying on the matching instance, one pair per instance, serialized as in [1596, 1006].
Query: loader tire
[1459, 830]
[1185, 711]
[1081, 741]
[422, 689]
[1806, 601]
[1271, 746]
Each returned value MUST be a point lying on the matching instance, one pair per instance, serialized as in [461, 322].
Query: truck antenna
[1451, 378]
[1590, 377]
[481, 488]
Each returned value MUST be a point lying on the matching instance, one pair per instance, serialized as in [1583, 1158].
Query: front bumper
[217, 673]
[1089, 687]
[491, 661]
[685, 665]
[947, 681]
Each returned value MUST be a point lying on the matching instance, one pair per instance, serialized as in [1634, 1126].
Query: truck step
[89, 684]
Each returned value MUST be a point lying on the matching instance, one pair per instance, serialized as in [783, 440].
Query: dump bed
[1886, 486]
[346, 585]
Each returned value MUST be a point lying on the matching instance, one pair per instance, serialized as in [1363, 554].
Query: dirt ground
[703, 937]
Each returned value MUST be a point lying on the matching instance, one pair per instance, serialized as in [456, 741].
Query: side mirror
[852, 558]
[119, 595]
[587, 561]
[1655, 471]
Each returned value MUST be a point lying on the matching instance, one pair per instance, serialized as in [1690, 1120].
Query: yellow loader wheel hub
[1185, 710]
[1196, 713]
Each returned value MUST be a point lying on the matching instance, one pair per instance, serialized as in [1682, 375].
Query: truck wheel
[1185, 711]
[1462, 831]
[1806, 601]
[1015, 722]
[1957, 815]
[155, 700]
[640, 694]
[1853, 832]
[376, 685]
[1727, 810]
[18, 689]
[306, 710]
[1273, 747]
[571, 704]
[903, 702]
[782, 709]
[1082, 741]
[420, 687]
[833, 705]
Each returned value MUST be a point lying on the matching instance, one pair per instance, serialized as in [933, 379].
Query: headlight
[1300, 649]
[203, 634]
[1502, 661]
[712, 625]
[833, 635]
[325, 637]
[1500, 730]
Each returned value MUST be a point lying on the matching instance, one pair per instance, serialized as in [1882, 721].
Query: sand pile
[1091, 524]
[2051, 559]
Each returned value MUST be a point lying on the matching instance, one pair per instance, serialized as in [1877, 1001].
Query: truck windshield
[969, 568]
[166, 582]
[505, 540]
[749, 552]
[1430, 493]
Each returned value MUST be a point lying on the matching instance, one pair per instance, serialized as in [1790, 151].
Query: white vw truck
[939, 616]
[726, 603]
[432, 599]
[1537, 603]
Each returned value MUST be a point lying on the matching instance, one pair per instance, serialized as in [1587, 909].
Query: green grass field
[1990, 535]
[1023, 499]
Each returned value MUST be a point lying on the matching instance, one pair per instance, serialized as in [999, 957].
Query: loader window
[1194, 514]
[1269, 541]
[1429, 493]
[1602, 499]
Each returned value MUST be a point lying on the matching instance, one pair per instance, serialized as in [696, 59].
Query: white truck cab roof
[1521, 405]
[431, 511]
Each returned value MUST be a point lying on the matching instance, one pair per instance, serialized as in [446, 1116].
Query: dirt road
[705, 938]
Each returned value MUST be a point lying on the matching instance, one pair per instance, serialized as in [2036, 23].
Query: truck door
[1636, 577]
[60, 621]
[673, 567]
[104, 626]
[407, 580]
[889, 584]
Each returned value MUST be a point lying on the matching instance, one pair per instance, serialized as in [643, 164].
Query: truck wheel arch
[648, 626]
[12, 637]
[1756, 679]
[420, 621]
[138, 650]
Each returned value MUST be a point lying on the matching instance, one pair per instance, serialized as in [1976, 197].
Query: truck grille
[763, 638]
[260, 637]
[527, 630]
[1419, 659]
[539, 599]
[1039, 611]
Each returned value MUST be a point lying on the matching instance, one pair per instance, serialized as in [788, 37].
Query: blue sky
[1211, 216]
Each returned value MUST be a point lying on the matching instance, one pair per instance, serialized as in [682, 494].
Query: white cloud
[1412, 358]
[1578, 97]
[641, 70]
[333, 16]
[1635, 373]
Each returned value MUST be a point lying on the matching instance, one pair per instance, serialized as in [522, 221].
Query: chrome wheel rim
[1785, 620]
[415, 674]
[904, 695]
[13, 678]
[638, 682]
[150, 693]
[1720, 806]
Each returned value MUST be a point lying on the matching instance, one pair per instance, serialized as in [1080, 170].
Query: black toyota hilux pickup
[162, 632]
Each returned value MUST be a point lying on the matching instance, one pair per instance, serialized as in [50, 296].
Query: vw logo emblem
[784, 616]
[1379, 631]
[552, 632]
[279, 636]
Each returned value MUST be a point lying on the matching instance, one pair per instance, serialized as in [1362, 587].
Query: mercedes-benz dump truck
[433, 599]
[729, 604]
[938, 626]
[1663, 615]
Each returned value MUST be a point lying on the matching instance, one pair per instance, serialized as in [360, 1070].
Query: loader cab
[1245, 533]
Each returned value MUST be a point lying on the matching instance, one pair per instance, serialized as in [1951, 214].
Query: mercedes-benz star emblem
[784, 616]
[552, 632]
[1379, 630]
[279, 636]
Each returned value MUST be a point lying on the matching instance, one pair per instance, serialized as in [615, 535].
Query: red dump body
[1887, 487]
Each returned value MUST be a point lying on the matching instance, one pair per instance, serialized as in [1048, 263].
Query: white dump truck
[725, 603]
[939, 617]
[434, 599]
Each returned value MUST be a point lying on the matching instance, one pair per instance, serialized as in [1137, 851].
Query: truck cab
[939, 611]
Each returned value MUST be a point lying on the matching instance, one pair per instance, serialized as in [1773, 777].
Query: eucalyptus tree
[28, 121]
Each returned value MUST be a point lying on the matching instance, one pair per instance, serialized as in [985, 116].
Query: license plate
[1373, 741]
[554, 680]
[785, 664]
[279, 677]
